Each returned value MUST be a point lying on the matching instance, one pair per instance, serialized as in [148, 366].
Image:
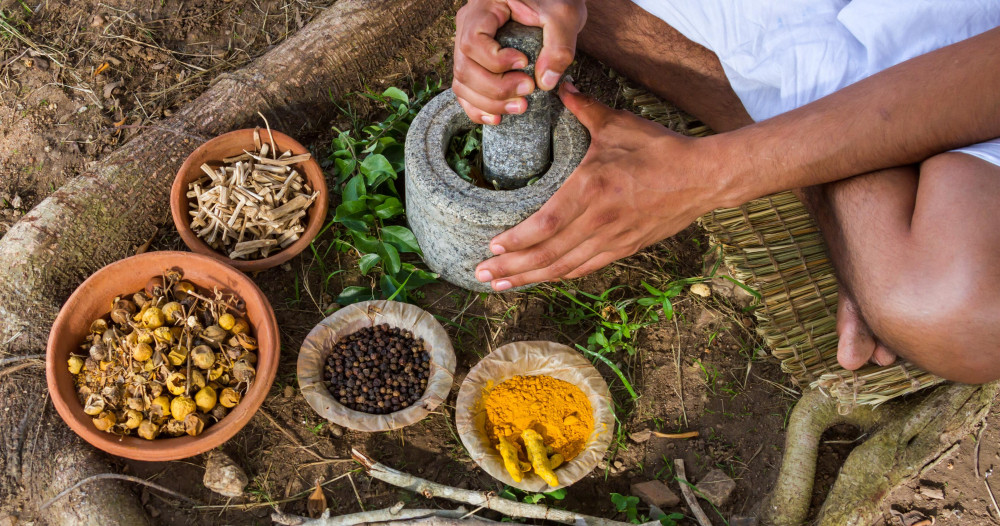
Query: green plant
[511, 493]
[465, 154]
[627, 505]
[367, 164]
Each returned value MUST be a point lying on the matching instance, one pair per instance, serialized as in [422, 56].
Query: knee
[946, 326]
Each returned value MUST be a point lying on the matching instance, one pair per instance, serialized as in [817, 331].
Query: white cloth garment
[782, 54]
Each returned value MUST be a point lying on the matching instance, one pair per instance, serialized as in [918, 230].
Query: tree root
[116, 476]
[388, 515]
[912, 436]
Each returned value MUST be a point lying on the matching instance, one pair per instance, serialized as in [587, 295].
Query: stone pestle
[520, 147]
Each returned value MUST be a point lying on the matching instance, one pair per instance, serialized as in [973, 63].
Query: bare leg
[915, 247]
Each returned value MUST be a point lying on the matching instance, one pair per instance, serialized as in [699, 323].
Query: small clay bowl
[229, 145]
[92, 299]
[531, 359]
[320, 341]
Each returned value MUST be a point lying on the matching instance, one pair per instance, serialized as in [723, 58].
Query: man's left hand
[638, 183]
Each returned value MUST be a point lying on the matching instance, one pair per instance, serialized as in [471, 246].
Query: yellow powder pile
[557, 410]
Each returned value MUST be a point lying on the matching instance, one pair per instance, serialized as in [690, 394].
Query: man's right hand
[484, 83]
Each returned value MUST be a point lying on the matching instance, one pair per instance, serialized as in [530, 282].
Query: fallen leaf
[110, 87]
[316, 504]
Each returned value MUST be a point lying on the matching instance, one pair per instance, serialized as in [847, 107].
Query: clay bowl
[317, 345]
[530, 359]
[92, 299]
[229, 145]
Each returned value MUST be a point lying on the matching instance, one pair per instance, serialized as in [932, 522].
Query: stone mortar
[453, 219]
[520, 147]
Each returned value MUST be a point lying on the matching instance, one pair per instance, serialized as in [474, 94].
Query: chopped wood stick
[689, 497]
[297, 203]
[285, 161]
[488, 500]
[241, 157]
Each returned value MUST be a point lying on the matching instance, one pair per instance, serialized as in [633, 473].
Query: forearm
[942, 100]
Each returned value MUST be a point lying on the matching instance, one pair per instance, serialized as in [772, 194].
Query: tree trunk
[100, 217]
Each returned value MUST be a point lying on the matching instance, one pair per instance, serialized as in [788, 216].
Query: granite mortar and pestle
[526, 157]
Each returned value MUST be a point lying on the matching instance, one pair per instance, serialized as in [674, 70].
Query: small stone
[335, 430]
[716, 487]
[223, 476]
[641, 436]
[737, 520]
[655, 513]
[619, 465]
[931, 492]
[97, 21]
[289, 391]
[15, 202]
[701, 289]
[655, 493]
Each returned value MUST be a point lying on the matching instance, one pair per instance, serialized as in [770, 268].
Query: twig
[680, 377]
[12, 359]
[689, 497]
[116, 476]
[689, 434]
[270, 503]
[15, 368]
[356, 494]
[986, 480]
[291, 437]
[488, 500]
[395, 513]
[979, 440]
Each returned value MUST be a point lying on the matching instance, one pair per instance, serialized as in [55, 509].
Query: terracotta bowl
[92, 299]
[229, 145]
[321, 340]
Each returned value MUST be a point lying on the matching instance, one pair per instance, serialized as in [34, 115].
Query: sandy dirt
[115, 67]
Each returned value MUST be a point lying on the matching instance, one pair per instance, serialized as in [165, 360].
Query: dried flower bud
[155, 389]
[98, 326]
[229, 398]
[246, 341]
[173, 312]
[205, 399]
[75, 364]
[197, 380]
[154, 287]
[142, 352]
[227, 321]
[144, 336]
[95, 404]
[176, 383]
[163, 334]
[160, 407]
[219, 412]
[203, 357]
[124, 304]
[217, 371]
[174, 428]
[103, 365]
[177, 332]
[148, 430]
[213, 334]
[153, 318]
[194, 424]
[133, 419]
[140, 299]
[177, 355]
[240, 326]
[98, 351]
[243, 371]
[121, 316]
[249, 357]
[90, 364]
[182, 288]
[105, 421]
[181, 407]
[136, 402]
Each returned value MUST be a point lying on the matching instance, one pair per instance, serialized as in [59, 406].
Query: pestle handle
[520, 147]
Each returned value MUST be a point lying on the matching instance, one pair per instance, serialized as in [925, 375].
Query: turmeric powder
[555, 410]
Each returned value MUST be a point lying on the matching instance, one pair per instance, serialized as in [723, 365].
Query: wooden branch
[394, 514]
[689, 496]
[116, 476]
[487, 500]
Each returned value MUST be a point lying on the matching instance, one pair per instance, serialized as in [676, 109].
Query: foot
[857, 344]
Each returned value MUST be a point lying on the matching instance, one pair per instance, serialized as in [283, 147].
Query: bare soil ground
[111, 68]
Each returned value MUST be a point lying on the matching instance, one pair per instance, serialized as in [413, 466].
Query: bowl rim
[386, 422]
[174, 448]
[317, 211]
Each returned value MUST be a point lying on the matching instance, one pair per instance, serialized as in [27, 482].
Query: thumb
[588, 110]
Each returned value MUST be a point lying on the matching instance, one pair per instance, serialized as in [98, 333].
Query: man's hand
[639, 183]
[484, 83]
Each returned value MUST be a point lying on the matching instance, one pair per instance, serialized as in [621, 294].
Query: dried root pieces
[253, 204]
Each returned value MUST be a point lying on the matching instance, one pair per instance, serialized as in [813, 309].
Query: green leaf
[368, 261]
[558, 494]
[344, 168]
[354, 189]
[534, 498]
[394, 154]
[389, 209]
[401, 238]
[651, 289]
[396, 94]
[365, 243]
[390, 257]
[646, 302]
[389, 286]
[354, 294]
[668, 308]
[376, 168]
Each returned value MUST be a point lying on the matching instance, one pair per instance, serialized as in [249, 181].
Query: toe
[856, 343]
[882, 355]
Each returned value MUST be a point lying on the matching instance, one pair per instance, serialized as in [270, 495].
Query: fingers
[594, 264]
[489, 104]
[477, 115]
[588, 110]
[882, 355]
[552, 218]
[551, 259]
[561, 21]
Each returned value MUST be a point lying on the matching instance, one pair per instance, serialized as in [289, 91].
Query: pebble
[223, 476]
[701, 289]
[716, 487]
[655, 493]
[641, 436]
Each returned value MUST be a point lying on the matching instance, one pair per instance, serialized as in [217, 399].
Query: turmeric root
[508, 451]
[539, 459]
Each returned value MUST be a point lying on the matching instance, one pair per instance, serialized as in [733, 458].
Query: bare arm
[640, 183]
